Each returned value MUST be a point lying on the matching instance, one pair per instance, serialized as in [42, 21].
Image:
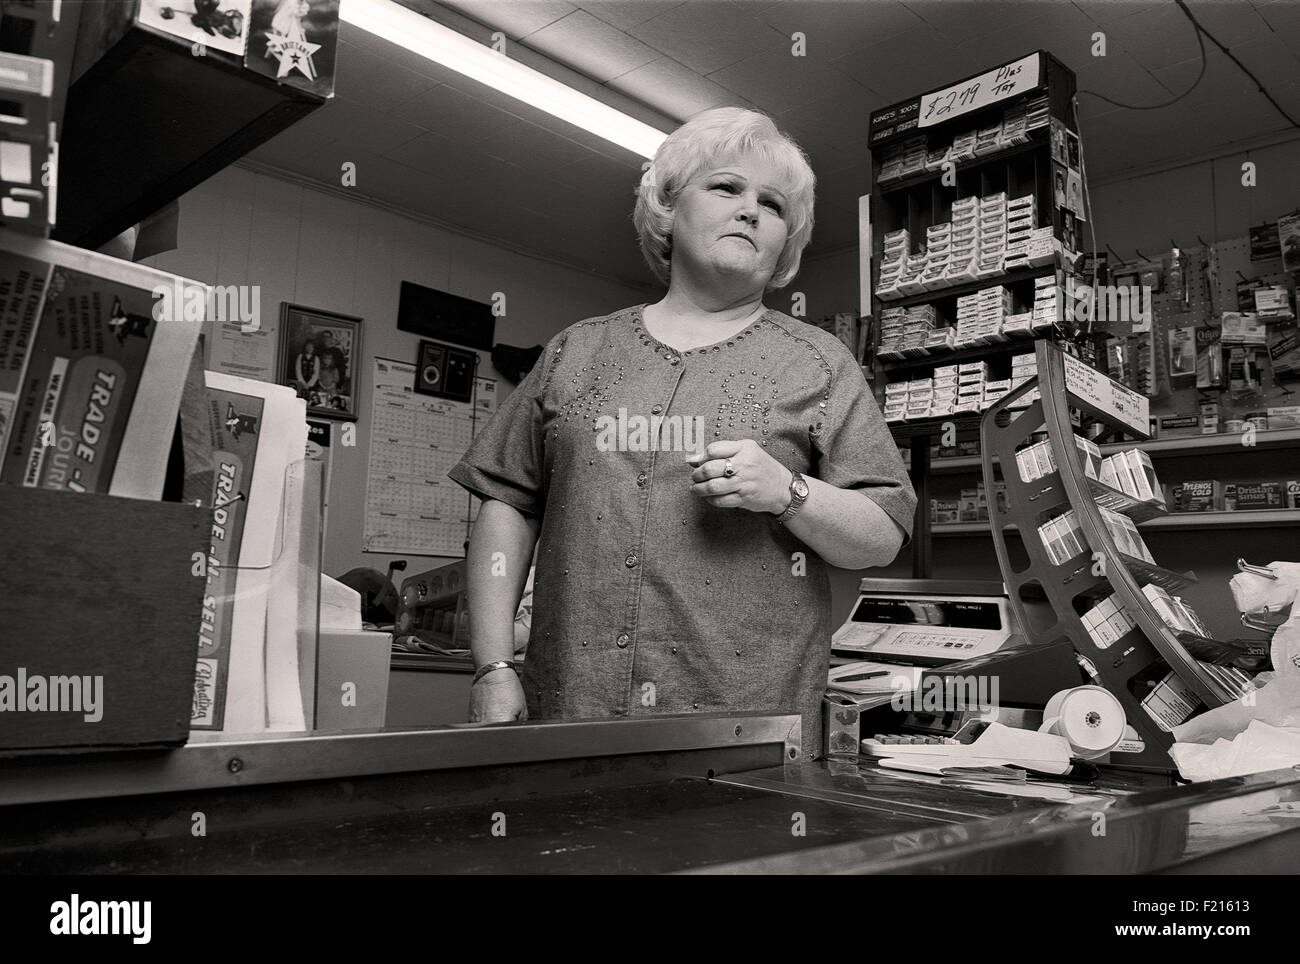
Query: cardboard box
[361, 658]
[1247, 496]
[132, 634]
[1199, 496]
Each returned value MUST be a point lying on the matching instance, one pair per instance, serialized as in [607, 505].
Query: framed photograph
[320, 358]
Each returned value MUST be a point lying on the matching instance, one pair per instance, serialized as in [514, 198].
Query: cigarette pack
[1144, 476]
[1048, 533]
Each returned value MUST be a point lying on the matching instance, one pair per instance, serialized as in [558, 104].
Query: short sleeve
[855, 448]
[505, 461]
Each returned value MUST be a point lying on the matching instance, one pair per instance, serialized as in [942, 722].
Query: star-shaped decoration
[294, 53]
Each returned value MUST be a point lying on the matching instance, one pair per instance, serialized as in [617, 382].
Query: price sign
[1106, 395]
[988, 88]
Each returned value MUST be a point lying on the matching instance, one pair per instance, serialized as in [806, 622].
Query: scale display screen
[929, 612]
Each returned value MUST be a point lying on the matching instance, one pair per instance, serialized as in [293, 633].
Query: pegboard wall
[1208, 289]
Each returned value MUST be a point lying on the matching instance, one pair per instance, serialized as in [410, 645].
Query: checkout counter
[697, 793]
[677, 794]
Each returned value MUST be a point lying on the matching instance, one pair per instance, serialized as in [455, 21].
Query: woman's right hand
[497, 698]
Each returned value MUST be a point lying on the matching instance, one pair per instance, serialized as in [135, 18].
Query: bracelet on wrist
[493, 666]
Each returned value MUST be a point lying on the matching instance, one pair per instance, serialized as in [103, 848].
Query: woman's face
[729, 220]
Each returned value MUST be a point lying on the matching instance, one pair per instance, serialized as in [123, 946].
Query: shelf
[951, 466]
[1245, 519]
[970, 287]
[1023, 341]
[1197, 444]
[1118, 500]
[933, 426]
[1037, 140]
[1264, 518]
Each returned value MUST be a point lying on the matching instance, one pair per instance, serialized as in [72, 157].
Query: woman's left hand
[760, 482]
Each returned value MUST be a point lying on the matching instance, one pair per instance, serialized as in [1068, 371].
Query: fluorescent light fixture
[406, 28]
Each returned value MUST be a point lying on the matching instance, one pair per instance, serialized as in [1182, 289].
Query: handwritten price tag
[988, 88]
[1120, 402]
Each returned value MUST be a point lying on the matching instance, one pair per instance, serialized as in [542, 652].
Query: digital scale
[926, 622]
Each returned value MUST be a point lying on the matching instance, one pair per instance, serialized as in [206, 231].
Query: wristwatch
[798, 496]
[495, 665]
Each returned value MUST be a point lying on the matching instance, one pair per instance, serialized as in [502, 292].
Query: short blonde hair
[707, 136]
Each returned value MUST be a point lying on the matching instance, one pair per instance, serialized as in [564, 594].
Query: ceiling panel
[430, 141]
[674, 89]
[833, 28]
[622, 14]
[514, 19]
[591, 46]
[1108, 11]
[707, 35]
[1158, 38]
[800, 82]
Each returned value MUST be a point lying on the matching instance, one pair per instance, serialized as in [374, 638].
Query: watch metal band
[796, 500]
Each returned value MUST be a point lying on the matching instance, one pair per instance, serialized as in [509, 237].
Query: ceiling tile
[1222, 78]
[674, 89]
[1065, 33]
[1231, 22]
[511, 17]
[1272, 59]
[833, 28]
[831, 134]
[602, 178]
[622, 14]
[591, 46]
[963, 20]
[1281, 15]
[1122, 79]
[707, 35]
[802, 81]
[894, 69]
[1108, 11]
[361, 72]
[1156, 38]
[372, 131]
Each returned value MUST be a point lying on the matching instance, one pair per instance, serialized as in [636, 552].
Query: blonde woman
[684, 578]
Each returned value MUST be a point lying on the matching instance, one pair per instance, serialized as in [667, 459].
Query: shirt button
[622, 641]
[632, 561]
[674, 650]
[656, 410]
[641, 479]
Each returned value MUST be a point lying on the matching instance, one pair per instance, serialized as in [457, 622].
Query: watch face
[801, 488]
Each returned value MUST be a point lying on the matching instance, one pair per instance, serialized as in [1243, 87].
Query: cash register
[926, 622]
[913, 628]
